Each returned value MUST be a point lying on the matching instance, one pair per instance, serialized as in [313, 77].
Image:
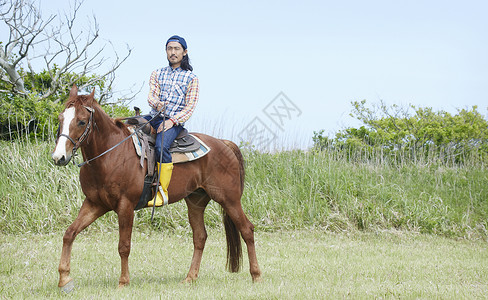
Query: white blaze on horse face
[60, 150]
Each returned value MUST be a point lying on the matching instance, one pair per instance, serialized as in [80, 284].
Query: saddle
[185, 148]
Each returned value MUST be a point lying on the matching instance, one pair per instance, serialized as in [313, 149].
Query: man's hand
[167, 125]
[160, 106]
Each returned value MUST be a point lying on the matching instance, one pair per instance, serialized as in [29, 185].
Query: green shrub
[422, 135]
[33, 117]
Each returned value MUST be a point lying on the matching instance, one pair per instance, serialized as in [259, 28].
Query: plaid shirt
[178, 89]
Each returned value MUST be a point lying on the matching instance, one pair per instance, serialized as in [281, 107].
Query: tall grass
[284, 190]
[334, 190]
[37, 196]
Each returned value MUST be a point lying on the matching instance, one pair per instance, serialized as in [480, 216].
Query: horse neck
[104, 134]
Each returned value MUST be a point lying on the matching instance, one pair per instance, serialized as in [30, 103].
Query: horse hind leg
[196, 203]
[88, 213]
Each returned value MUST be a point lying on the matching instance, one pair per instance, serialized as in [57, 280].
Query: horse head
[75, 123]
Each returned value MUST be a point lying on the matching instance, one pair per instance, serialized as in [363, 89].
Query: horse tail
[234, 248]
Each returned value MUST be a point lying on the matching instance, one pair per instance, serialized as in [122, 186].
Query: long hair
[185, 63]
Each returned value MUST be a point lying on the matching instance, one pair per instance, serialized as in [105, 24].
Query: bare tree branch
[25, 25]
[62, 48]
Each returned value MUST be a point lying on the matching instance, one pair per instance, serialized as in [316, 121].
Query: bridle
[87, 131]
[83, 136]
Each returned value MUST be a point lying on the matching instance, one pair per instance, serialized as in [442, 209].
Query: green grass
[298, 264]
[296, 189]
[284, 190]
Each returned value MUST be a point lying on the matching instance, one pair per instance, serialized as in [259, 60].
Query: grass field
[298, 264]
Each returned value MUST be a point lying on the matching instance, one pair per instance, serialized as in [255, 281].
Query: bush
[30, 116]
[27, 117]
[424, 134]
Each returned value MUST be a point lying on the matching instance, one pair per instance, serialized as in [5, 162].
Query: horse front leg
[87, 214]
[126, 220]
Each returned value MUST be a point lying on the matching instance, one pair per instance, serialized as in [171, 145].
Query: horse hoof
[68, 288]
[187, 280]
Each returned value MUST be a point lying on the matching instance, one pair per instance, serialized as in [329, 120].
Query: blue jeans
[169, 137]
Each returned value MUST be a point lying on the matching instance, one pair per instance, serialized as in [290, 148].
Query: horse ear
[74, 91]
[92, 96]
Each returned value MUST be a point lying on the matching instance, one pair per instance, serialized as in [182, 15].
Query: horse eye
[81, 123]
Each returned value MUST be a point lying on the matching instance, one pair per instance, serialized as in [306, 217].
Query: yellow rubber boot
[164, 179]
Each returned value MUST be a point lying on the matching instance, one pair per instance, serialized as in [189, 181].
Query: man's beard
[174, 63]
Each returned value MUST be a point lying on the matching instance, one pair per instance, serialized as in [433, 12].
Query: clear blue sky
[321, 54]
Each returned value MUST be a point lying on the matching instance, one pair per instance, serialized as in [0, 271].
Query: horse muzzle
[61, 160]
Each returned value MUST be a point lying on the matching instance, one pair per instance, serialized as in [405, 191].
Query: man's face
[175, 53]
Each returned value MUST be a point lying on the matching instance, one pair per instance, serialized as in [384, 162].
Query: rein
[87, 131]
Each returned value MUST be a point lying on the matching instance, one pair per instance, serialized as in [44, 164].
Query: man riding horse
[112, 177]
[173, 96]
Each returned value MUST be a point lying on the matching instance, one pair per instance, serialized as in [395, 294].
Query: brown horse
[115, 181]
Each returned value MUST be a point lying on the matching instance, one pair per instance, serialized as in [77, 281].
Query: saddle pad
[191, 155]
[177, 157]
[136, 141]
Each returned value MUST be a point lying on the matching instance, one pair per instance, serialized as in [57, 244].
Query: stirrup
[147, 191]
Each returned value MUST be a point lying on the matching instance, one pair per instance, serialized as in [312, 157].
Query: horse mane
[121, 125]
[87, 100]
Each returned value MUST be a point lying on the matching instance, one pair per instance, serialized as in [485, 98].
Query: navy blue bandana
[178, 39]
